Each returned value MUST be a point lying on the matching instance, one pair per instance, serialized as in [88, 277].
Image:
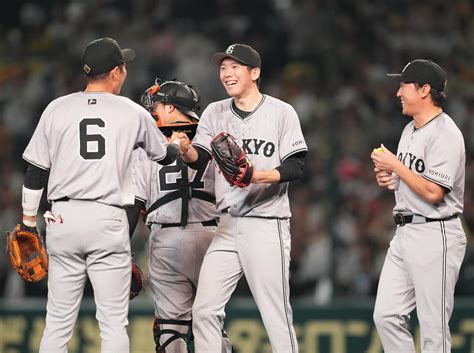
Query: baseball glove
[137, 281]
[27, 253]
[234, 164]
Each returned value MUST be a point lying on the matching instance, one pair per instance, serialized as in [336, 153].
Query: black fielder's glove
[231, 159]
[136, 285]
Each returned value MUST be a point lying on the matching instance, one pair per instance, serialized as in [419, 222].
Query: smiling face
[238, 78]
[411, 96]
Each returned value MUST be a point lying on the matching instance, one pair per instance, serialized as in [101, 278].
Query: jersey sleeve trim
[35, 164]
[449, 188]
[140, 199]
[204, 148]
[294, 152]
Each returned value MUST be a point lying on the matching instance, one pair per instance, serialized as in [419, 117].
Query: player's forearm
[265, 176]
[428, 190]
[190, 156]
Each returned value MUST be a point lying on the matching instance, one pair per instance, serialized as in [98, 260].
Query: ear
[170, 108]
[114, 72]
[425, 90]
[255, 73]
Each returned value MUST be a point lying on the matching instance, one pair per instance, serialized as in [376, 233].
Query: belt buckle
[400, 219]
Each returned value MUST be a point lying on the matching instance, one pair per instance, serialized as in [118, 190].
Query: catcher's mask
[183, 96]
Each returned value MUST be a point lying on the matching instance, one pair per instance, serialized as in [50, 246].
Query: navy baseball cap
[423, 72]
[102, 55]
[240, 52]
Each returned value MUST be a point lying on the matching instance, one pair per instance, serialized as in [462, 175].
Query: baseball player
[253, 235]
[181, 212]
[84, 143]
[425, 255]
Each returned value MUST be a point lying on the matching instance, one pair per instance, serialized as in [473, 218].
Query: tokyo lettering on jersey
[154, 182]
[435, 151]
[269, 134]
[86, 140]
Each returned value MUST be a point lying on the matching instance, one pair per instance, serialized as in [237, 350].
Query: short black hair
[438, 97]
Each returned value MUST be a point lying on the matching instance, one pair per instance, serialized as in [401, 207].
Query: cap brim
[218, 57]
[128, 55]
[397, 77]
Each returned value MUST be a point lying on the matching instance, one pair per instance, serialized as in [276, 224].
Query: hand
[384, 160]
[386, 179]
[183, 140]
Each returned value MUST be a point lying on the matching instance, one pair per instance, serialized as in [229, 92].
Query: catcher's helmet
[183, 96]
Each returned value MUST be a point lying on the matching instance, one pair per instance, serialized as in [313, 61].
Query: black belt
[212, 223]
[401, 219]
[62, 199]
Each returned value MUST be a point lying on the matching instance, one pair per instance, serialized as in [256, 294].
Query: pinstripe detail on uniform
[283, 281]
[443, 286]
[36, 164]
[250, 114]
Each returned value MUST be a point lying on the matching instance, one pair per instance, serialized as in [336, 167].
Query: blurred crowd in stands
[328, 58]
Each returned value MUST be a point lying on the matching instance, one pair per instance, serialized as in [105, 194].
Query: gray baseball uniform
[86, 141]
[176, 252]
[425, 255]
[253, 237]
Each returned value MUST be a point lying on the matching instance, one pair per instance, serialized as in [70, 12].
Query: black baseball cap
[240, 52]
[423, 72]
[102, 55]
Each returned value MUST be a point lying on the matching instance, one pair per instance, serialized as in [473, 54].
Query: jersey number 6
[99, 145]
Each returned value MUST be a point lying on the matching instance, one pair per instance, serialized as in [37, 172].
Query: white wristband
[177, 142]
[30, 201]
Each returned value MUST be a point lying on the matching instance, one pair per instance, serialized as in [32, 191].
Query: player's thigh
[395, 292]
[220, 273]
[172, 292]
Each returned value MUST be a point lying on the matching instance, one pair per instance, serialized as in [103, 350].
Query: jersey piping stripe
[204, 148]
[294, 152]
[438, 183]
[35, 164]
[251, 113]
[428, 123]
[140, 199]
[283, 282]
[443, 287]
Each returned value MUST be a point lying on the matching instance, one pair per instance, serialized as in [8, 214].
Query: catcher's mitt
[234, 164]
[137, 281]
[27, 253]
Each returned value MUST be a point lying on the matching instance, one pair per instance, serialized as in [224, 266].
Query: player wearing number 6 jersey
[84, 141]
[181, 213]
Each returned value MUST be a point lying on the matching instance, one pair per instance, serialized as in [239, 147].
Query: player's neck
[248, 102]
[99, 86]
[426, 115]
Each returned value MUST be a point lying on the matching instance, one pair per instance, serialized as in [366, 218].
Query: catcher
[179, 208]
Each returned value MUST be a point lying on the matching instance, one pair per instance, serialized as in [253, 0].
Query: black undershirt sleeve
[133, 214]
[292, 167]
[172, 153]
[203, 159]
[35, 178]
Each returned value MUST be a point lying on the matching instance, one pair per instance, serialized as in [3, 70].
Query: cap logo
[86, 68]
[230, 49]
